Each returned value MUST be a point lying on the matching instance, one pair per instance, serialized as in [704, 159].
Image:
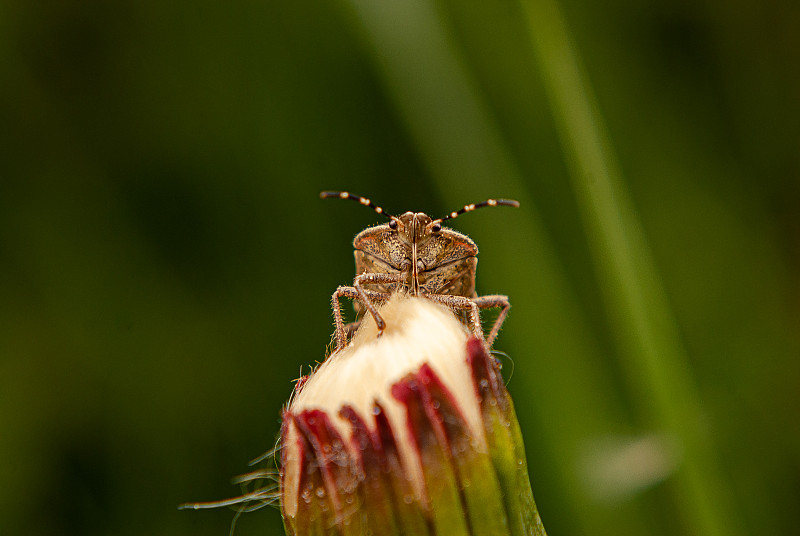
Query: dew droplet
[320, 492]
[408, 499]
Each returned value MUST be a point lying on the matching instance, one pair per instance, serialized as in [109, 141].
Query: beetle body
[415, 254]
[430, 262]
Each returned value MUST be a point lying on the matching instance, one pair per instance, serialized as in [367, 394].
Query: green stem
[647, 334]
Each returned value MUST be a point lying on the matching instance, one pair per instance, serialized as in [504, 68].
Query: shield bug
[414, 253]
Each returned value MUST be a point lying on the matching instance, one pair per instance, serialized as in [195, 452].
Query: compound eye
[393, 225]
[436, 227]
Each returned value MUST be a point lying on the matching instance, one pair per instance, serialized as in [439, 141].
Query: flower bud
[408, 433]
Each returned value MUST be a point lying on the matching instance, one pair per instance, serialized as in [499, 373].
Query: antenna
[487, 203]
[363, 200]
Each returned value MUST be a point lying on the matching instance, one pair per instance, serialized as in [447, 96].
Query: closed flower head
[407, 433]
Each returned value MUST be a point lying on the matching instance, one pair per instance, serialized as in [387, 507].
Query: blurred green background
[166, 264]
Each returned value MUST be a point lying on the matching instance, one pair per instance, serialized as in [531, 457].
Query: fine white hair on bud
[408, 432]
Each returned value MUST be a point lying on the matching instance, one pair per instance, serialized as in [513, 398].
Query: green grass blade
[646, 331]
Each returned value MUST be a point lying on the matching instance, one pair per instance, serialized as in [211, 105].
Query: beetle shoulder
[447, 246]
[457, 240]
[384, 243]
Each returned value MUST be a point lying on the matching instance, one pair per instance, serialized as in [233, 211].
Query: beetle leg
[366, 297]
[494, 300]
[462, 303]
[338, 331]
[370, 278]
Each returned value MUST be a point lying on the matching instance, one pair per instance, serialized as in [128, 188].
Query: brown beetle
[413, 253]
